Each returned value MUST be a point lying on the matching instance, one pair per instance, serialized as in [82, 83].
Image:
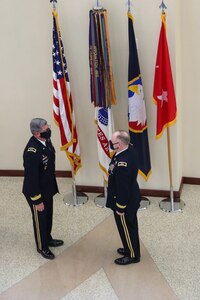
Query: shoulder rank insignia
[122, 164]
[31, 149]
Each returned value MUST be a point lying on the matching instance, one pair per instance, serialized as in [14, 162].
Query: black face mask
[46, 134]
[112, 145]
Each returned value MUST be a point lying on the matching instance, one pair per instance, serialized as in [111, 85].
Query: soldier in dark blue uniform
[124, 196]
[40, 185]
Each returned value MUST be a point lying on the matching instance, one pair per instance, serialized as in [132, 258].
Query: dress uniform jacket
[39, 177]
[124, 197]
[123, 190]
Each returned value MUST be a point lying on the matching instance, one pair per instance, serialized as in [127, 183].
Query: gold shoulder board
[31, 149]
[122, 164]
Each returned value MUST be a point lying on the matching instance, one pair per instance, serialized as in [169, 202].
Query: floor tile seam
[62, 253]
[158, 268]
[108, 278]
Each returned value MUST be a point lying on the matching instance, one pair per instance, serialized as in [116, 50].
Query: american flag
[62, 100]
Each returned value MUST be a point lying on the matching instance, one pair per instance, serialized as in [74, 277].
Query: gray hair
[123, 136]
[37, 124]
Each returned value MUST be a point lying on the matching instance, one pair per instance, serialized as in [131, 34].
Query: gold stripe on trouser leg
[128, 240]
[37, 228]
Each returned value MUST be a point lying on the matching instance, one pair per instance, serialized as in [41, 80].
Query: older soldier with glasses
[123, 196]
[40, 185]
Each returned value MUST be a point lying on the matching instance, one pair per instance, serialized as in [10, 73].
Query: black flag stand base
[75, 198]
[170, 204]
[144, 204]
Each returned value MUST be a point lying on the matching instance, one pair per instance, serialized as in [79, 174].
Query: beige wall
[26, 79]
[190, 89]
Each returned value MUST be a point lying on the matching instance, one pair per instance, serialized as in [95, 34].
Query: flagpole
[163, 7]
[98, 6]
[129, 6]
[102, 89]
[170, 169]
[100, 200]
[75, 198]
[144, 201]
[54, 4]
[71, 198]
[170, 204]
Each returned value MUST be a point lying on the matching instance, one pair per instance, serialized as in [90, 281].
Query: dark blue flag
[137, 119]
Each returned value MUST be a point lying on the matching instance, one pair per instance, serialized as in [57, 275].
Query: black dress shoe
[55, 243]
[121, 251]
[46, 253]
[125, 260]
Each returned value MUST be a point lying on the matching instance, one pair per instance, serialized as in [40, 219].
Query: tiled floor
[84, 267]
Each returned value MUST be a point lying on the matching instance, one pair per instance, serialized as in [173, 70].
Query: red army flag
[163, 92]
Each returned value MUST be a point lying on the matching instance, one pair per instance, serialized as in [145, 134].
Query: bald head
[120, 140]
[123, 136]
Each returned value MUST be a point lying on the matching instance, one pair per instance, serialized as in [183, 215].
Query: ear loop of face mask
[112, 145]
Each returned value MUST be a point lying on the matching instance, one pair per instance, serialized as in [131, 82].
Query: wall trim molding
[20, 173]
[144, 192]
[11, 173]
[100, 190]
[191, 180]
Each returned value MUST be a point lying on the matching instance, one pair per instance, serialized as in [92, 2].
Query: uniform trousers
[128, 230]
[42, 223]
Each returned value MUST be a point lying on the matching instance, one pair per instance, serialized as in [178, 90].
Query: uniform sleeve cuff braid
[120, 206]
[36, 197]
